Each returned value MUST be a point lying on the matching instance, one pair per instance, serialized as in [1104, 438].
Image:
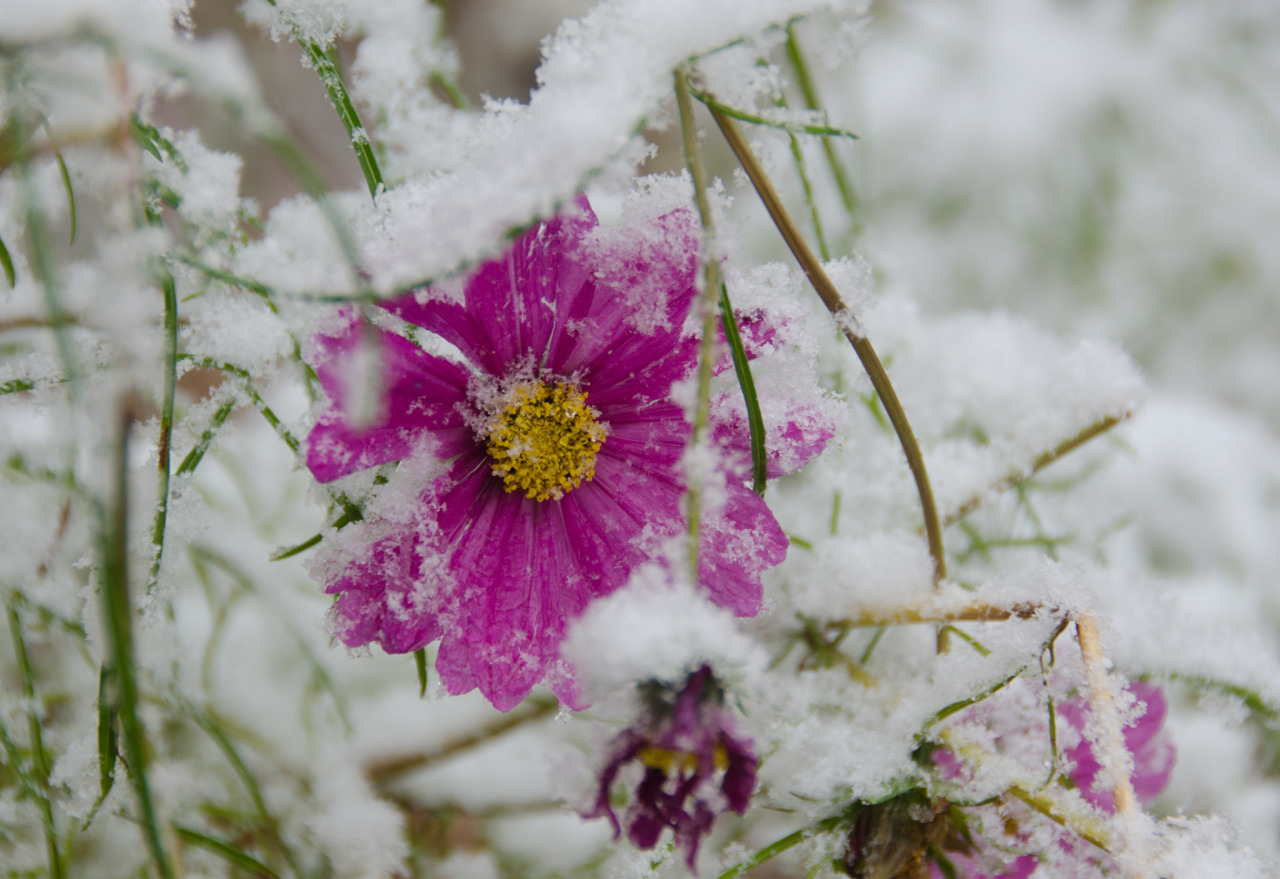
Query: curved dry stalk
[831, 298]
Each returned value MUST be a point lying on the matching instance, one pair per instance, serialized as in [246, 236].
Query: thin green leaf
[742, 368]
[791, 840]
[118, 618]
[420, 660]
[35, 734]
[971, 700]
[326, 65]
[810, 95]
[297, 549]
[228, 853]
[1254, 701]
[6, 261]
[17, 385]
[107, 734]
[71, 194]
[779, 124]
[193, 458]
[968, 639]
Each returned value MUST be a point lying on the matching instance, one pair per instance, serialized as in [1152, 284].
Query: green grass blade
[39, 757]
[420, 661]
[742, 368]
[118, 617]
[779, 124]
[108, 726]
[71, 194]
[6, 262]
[228, 853]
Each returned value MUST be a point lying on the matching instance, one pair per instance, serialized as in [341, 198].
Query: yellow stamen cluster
[685, 761]
[544, 442]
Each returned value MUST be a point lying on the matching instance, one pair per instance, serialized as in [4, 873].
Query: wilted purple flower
[563, 450]
[694, 768]
[1153, 758]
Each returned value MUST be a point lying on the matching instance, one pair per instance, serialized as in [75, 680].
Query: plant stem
[710, 285]
[861, 345]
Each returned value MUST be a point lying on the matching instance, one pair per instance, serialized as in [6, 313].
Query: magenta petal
[383, 599]
[517, 584]
[421, 396]
[802, 438]
[738, 545]
[451, 322]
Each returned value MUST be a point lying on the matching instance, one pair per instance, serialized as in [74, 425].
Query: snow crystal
[362, 835]
[601, 76]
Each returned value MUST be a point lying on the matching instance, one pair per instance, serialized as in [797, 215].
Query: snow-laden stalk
[861, 345]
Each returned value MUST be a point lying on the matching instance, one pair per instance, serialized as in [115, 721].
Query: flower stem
[710, 285]
[861, 345]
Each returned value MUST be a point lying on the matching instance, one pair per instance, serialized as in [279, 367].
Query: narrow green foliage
[197, 453]
[420, 661]
[791, 840]
[968, 639]
[297, 549]
[118, 617]
[796, 540]
[39, 757]
[742, 369]
[108, 727]
[871, 646]
[6, 262]
[450, 90]
[217, 274]
[228, 853]
[971, 700]
[805, 82]
[15, 386]
[71, 194]
[779, 124]
[213, 728]
[326, 65]
[1266, 711]
[163, 442]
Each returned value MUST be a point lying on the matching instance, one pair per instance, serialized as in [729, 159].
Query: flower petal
[384, 600]
[740, 543]
[421, 395]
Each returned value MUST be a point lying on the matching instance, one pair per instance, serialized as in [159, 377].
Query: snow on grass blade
[118, 617]
[742, 368]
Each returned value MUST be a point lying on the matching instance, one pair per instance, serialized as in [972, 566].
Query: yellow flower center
[686, 762]
[544, 441]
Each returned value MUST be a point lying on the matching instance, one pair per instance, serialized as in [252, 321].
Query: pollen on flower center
[544, 440]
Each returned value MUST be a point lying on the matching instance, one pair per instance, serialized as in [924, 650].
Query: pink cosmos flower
[694, 767]
[562, 450]
[1153, 759]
